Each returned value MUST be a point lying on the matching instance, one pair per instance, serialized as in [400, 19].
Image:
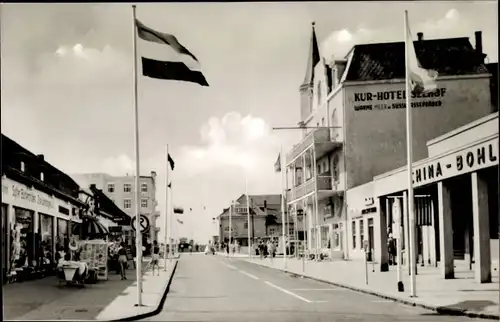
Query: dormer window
[22, 166]
[41, 176]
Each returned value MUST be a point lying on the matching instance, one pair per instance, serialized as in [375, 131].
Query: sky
[67, 86]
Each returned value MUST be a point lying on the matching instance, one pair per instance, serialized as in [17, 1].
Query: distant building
[120, 189]
[265, 219]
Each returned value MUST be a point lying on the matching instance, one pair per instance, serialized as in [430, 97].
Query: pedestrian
[155, 261]
[122, 259]
[190, 249]
[227, 249]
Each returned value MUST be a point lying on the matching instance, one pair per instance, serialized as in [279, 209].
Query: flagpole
[138, 238]
[408, 42]
[230, 223]
[283, 204]
[248, 216]
[165, 254]
[171, 213]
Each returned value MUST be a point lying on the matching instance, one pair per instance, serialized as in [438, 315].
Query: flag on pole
[178, 210]
[176, 62]
[422, 80]
[277, 164]
[171, 162]
[180, 221]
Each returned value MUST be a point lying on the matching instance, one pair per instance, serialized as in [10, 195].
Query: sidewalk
[461, 295]
[154, 288]
[43, 299]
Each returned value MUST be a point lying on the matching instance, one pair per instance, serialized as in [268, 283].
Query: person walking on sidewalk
[122, 259]
[190, 249]
[155, 261]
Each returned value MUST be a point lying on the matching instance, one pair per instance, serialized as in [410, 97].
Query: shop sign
[474, 158]
[394, 100]
[24, 194]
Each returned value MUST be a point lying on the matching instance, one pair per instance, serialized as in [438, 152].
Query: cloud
[230, 141]
[339, 42]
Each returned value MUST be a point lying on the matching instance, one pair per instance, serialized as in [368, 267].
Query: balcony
[323, 140]
[325, 189]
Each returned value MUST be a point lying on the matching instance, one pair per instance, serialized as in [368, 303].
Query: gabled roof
[12, 155]
[383, 61]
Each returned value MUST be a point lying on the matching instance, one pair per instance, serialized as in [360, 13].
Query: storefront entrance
[5, 242]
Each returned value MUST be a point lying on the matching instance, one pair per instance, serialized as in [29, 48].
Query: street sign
[143, 222]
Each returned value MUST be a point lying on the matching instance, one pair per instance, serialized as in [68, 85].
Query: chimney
[153, 174]
[41, 157]
[479, 42]
[420, 36]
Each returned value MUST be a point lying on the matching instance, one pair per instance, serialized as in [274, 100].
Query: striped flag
[175, 61]
[422, 80]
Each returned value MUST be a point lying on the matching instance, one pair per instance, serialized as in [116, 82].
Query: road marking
[288, 292]
[249, 275]
[229, 266]
[318, 289]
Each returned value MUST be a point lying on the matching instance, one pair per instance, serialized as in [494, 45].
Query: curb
[439, 309]
[159, 308]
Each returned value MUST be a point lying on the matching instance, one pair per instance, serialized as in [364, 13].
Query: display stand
[95, 254]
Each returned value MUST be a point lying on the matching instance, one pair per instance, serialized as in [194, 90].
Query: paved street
[213, 288]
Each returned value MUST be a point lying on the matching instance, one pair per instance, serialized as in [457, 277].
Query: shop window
[245, 225]
[353, 234]
[361, 233]
[62, 237]
[144, 203]
[46, 231]
[144, 187]
[5, 244]
[22, 238]
[127, 187]
[127, 203]
[325, 237]
[111, 187]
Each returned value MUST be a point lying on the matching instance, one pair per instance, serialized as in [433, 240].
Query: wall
[464, 135]
[238, 225]
[356, 203]
[376, 132]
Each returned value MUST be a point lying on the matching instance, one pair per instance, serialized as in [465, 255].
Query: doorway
[371, 244]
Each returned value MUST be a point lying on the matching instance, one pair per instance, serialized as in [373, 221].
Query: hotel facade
[354, 130]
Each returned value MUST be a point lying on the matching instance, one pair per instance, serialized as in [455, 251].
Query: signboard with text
[396, 99]
[479, 156]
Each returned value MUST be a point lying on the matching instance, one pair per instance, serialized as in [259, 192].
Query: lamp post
[316, 229]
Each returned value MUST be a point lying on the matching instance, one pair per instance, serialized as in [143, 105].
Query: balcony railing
[324, 183]
[317, 136]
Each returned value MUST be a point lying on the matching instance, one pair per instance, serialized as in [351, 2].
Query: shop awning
[90, 227]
